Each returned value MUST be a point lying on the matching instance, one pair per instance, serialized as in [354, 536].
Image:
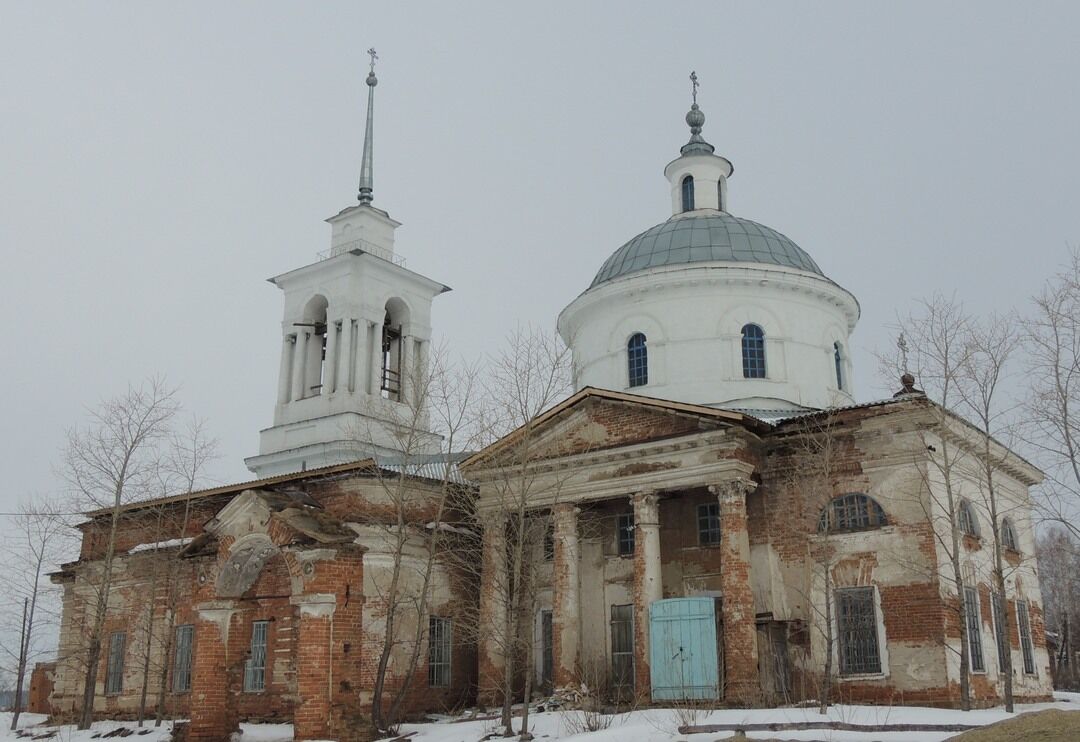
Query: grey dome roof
[701, 239]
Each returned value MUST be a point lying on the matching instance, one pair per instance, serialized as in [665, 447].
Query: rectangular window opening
[185, 637]
[857, 631]
[255, 667]
[1024, 621]
[625, 528]
[974, 629]
[1001, 630]
[622, 646]
[439, 652]
[114, 670]
[708, 520]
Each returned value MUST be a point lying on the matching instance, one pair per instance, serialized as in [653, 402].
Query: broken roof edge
[591, 392]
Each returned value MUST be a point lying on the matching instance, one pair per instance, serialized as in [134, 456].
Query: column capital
[565, 509]
[733, 490]
[648, 498]
[317, 605]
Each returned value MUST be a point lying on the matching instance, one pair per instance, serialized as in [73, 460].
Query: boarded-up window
[185, 636]
[974, 629]
[1025, 636]
[438, 652]
[857, 631]
[114, 670]
[255, 667]
[622, 646]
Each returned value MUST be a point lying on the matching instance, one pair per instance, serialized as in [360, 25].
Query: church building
[720, 520]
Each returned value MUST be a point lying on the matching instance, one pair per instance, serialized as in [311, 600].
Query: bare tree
[935, 347]
[1052, 349]
[1059, 579]
[108, 463]
[28, 556]
[991, 344]
[434, 395]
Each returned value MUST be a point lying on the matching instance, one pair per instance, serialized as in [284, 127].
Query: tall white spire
[367, 179]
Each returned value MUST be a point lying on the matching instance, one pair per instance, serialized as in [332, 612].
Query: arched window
[720, 195]
[967, 520]
[392, 383]
[688, 193]
[851, 512]
[637, 360]
[1008, 535]
[753, 352]
[838, 360]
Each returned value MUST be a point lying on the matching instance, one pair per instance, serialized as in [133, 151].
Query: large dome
[704, 238]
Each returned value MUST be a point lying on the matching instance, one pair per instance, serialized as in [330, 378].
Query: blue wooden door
[683, 659]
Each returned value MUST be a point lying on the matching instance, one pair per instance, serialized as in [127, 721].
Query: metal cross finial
[694, 86]
[374, 56]
[901, 344]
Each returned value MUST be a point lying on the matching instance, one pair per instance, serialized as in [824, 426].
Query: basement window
[439, 652]
[255, 667]
[114, 670]
[708, 524]
[185, 636]
[624, 525]
[857, 632]
[974, 629]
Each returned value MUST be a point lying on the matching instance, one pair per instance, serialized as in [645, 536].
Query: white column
[375, 359]
[299, 362]
[406, 373]
[648, 580]
[344, 359]
[283, 371]
[331, 364]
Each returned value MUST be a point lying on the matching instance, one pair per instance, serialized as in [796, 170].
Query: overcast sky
[158, 161]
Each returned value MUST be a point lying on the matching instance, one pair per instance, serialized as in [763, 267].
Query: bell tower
[355, 339]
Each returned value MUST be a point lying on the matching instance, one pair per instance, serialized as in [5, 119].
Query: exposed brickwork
[567, 596]
[41, 687]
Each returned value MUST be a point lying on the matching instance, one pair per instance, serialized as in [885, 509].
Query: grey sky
[159, 161]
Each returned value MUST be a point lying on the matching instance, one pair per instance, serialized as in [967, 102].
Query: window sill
[855, 677]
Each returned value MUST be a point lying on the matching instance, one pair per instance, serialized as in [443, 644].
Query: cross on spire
[374, 56]
[693, 86]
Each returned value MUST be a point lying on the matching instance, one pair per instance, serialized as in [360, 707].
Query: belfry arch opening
[393, 348]
[311, 336]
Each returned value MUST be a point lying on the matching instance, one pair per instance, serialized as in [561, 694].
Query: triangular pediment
[597, 419]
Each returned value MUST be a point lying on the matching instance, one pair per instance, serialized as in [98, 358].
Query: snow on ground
[652, 725]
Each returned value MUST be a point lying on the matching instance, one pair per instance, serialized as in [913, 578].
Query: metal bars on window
[974, 629]
[624, 526]
[439, 652]
[1001, 631]
[753, 352]
[856, 626]
[637, 360]
[114, 669]
[185, 636]
[851, 512]
[966, 520]
[255, 667]
[622, 646]
[708, 524]
[1024, 622]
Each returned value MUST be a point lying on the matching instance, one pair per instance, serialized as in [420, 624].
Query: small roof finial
[695, 119]
[367, 180]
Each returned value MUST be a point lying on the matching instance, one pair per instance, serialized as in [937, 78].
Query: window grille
[838, 359]
[851, 512]
[974, 629]
[549, 542]
[255, 667]
[708, 523]
[753, 352]
[1008, 535]
[439, 652]
[624, 525]
[1024, 622]
[857, 630]
[637, 360]
[114, 670]
[967, 520]
[185, 636]
[1001, 631]
[622, 646]
[688, 193]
